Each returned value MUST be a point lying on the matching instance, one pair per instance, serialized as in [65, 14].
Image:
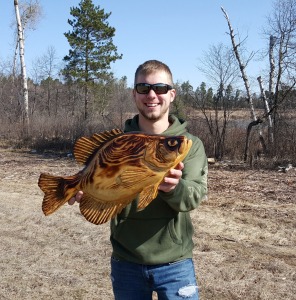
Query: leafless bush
[59, 133]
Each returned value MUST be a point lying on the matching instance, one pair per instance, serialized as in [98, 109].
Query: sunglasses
[158, 88]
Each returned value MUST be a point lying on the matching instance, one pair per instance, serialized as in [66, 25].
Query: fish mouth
[185, 146]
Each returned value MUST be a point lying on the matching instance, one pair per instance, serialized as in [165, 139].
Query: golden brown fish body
[118, 168]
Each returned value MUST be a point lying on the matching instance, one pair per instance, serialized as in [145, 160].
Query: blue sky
[175, 32]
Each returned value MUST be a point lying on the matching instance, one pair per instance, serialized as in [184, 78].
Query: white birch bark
[241, 66]
[272, 66]
[21, 42]
[267, 109]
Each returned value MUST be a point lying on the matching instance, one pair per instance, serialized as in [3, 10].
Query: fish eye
[172, 143]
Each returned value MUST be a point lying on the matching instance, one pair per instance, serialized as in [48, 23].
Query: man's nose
[151, 94]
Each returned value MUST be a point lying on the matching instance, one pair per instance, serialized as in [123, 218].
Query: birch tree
[281, 30]
[267, 108]
[242, 66]
[21, 43]
[30, 13]
[281, 33]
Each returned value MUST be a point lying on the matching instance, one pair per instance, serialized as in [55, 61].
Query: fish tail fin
[57, 189]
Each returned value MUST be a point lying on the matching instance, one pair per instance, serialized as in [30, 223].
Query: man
[152, 248]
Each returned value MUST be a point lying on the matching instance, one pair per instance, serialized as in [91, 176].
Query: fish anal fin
[148, 194]
[99, 212]
[85, 147]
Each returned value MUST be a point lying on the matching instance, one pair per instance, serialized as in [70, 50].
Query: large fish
[118, 168]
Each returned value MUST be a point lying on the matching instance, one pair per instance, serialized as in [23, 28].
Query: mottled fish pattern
[118, 167]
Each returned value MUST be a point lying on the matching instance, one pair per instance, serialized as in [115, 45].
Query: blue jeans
[171, 281]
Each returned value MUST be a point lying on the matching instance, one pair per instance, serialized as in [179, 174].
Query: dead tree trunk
[267, 110]
[272, 68]
[242, 67]
[21, 43]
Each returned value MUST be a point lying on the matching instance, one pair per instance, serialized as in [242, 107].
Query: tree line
[58, 104]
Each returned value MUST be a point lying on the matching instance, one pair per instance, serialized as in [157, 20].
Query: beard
[153, 116]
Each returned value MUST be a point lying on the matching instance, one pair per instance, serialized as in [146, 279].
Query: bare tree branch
[242, 66]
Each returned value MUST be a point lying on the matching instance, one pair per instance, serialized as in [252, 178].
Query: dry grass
[245, 237]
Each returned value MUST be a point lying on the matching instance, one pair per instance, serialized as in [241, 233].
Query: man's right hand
[77, 198]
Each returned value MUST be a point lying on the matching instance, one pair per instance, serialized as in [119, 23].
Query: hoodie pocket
[174, 232]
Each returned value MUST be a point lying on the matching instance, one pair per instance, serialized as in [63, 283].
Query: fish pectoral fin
[134, 176]
[99, 212]
[147, 195]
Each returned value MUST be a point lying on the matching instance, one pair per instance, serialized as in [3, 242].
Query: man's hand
[77, 198]
[172, 179]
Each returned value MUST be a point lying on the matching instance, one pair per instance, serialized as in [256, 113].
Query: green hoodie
[162, 232]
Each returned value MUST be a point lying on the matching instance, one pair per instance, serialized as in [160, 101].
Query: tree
[30, 11]
[46, 69]
[122, 103]
[218, 64]
[204, 97]
[281, 32]
[220, 67]
[21, 43]
[181, 106]
[216, 109]
[242, 66]
[92, 49]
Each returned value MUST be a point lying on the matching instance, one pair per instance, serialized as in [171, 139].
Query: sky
[173, 31]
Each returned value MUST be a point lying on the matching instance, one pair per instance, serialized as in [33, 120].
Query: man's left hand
[172, 179]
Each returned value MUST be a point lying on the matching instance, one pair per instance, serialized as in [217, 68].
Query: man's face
[152, 106]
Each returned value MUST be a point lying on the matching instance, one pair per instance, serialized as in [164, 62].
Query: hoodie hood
[177, 127]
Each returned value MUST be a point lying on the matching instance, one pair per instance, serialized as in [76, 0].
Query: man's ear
[173, 94]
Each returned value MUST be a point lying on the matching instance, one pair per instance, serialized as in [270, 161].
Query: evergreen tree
[92, 49]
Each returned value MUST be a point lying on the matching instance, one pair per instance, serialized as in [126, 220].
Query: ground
[244, 236]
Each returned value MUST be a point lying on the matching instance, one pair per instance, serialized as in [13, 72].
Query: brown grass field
[244, 235]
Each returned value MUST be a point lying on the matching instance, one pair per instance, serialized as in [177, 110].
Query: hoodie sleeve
[192, 187]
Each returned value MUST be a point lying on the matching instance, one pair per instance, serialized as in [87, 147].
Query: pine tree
[92, 49]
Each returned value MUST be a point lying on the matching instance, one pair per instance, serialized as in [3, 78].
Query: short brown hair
[151, 66]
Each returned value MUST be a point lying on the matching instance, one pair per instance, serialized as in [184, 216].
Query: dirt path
[245, 237]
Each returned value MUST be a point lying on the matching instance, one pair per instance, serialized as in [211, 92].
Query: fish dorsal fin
[148, 194]
[85, 147]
